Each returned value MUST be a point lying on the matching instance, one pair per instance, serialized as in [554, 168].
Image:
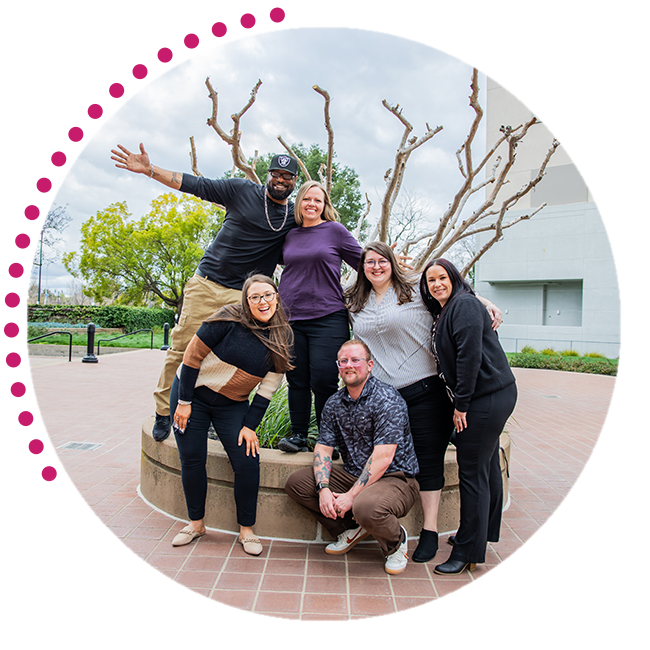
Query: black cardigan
[470, 358]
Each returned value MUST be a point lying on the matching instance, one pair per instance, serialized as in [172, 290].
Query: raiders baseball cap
[285, 163]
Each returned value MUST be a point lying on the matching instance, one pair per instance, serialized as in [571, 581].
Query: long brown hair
[458, 285]
[329, 211]
[356, 296]
[280, 335]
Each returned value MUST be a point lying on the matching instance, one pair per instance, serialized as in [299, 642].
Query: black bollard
[165, 345]
[90, 347]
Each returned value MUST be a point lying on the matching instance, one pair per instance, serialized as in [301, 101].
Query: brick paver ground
[555, 426]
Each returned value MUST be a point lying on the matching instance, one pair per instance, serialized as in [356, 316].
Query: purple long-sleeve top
[310, 285]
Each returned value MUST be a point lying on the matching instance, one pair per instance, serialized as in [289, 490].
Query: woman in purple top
[311, 292]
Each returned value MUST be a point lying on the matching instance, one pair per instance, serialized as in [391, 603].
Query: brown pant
[201, 298]
[376, 508]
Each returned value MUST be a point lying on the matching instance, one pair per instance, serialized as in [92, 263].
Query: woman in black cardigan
[482, 387]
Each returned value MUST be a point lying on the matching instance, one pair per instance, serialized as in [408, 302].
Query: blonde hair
[329, 211]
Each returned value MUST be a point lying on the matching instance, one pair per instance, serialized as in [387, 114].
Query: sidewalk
[556, 424]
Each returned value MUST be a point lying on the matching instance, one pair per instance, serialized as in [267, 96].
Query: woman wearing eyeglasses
[388, 315]
[238, 348]
[311, 291]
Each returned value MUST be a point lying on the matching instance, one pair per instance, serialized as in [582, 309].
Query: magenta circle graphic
[191, 41]
[165, 55]
[248, 21]
[140, 71]
[12, 300]
[13, 359]
[18, 389]
[95, 111]
[36, 446]
[16, 270]
[75, 134]
[48, 473]
[219, 29]
[116, 90]
[11, 330]
[58, 159]
[277, 15]
[22, 241]
[43, 185]
[32, 212]
[25, 418]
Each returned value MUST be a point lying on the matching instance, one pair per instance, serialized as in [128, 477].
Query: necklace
[266, 212]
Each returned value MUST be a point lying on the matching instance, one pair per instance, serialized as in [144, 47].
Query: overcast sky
[359, 69]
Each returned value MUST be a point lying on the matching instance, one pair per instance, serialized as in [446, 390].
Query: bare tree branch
[292, 153]
[362, 219]
[193, 158]
[330, 137]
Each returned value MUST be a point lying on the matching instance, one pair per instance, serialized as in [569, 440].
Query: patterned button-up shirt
[377, 417]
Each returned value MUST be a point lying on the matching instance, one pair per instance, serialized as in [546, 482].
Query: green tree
[135, 262]
[346, 194]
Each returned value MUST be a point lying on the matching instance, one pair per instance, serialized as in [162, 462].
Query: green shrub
[569, 364]
[35, 330]
[549, 352]
[527, 349]
[595, 355]
[569, 353]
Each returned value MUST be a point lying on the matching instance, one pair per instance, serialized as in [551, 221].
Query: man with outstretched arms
[249, 241]
[368, 420]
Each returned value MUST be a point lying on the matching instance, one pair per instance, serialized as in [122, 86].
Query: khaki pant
[201, 298]
[376, 508]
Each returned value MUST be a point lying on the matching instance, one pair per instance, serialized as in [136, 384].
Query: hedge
[571, 364]
[130, 318]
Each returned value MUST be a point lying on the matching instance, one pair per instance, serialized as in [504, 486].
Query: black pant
[431, 416]
[316, 343]
[479, 473]
[227, 417]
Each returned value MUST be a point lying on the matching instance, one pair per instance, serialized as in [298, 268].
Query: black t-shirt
[245, 244]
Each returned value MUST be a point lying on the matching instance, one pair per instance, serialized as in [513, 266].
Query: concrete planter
[277, 515]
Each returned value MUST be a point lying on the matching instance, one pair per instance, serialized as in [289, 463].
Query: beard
[277, 194]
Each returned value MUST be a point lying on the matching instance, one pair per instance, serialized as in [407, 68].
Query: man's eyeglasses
[269, 296]
[285, 175]
[383, 263]
[355, 361]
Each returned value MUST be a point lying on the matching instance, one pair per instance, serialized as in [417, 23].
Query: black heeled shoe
[427, 546]
[454, 567]
[451, 539]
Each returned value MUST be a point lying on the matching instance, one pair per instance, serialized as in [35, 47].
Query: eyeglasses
[383, 263]
[356, 362]
[269, 296]
[285, 175]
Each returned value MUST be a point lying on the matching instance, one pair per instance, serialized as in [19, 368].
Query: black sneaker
[162, 427]
[293, 444]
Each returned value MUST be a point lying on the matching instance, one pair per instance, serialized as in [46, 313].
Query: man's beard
[276, 194]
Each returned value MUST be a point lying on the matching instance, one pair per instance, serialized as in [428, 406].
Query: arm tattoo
[175, 178]
[322, 467]
[365, 474]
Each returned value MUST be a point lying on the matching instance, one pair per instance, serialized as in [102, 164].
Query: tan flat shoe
[251, 544]
[185, 536]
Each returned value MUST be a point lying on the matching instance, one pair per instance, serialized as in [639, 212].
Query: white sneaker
[346, 540]
[397, 561]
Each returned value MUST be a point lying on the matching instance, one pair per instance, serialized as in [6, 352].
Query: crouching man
[368, 421]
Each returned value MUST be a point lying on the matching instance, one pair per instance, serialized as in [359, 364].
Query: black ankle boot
[293, 444]
[454, 567]
[427, 546]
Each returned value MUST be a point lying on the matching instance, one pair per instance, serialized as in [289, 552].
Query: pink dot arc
[44, 185]
[15, 270]
[116, 90]
[95, 111]
[25, 418]
[48, 473]
[248, 21]
[75, 134]
[32, 212]
[58, 159]
[22, 241]
[11, 330]
[12, 300]
[219, 29]
[277, 15]
[140, 71]
[36, 446]
[165, 55]
[13, 359]
[18, 389]
[191, 41]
